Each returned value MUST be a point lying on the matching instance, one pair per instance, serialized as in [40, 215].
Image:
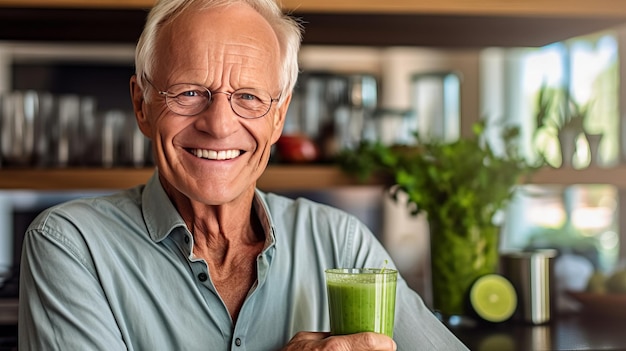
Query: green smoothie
[361, 300]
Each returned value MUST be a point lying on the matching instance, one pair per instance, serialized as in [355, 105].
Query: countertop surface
[8, 337]
[572, 331]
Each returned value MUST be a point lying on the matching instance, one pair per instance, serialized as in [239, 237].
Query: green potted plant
[559, 115]
[460, 185]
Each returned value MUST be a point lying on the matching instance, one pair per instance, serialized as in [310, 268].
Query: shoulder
[281, 207]
[87, 214]
[317, 233]
[306, 221]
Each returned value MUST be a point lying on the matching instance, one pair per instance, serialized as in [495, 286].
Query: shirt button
[202, 277]
[187, 239]
[238, 342]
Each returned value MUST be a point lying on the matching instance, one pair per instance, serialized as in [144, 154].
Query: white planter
[567, 141]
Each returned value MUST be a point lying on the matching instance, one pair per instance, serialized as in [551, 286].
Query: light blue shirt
[117, 273]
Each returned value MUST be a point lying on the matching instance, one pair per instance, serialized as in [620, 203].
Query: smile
[215, 155]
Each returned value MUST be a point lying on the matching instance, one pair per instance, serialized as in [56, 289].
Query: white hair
[287, 29]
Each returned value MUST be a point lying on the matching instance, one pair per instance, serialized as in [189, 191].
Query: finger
[364, 341]
[310, 336]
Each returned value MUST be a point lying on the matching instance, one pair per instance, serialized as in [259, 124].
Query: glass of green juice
[361, 300]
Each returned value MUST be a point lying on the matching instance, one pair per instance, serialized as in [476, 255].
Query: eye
[192, 93]
[186, 91]
[246, 96]
[189, 93]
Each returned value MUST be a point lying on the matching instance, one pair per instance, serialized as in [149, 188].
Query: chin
[215, 194]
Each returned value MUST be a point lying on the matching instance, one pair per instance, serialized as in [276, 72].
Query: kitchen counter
[573, 331]
[8, 337]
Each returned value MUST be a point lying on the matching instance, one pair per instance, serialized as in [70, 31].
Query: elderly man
[198, 258]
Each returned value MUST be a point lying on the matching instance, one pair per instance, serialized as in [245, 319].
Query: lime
[493, 298]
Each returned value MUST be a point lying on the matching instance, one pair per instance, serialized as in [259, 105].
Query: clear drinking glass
[361, 299]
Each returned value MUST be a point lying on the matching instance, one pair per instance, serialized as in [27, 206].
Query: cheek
[272, 133]
[262, 133]
[165, 126]
[276, 127]
[149, 119]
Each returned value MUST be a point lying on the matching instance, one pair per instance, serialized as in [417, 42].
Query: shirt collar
[260, 207]
[162, 218]
[159, 213]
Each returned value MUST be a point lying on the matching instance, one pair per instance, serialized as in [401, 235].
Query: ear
[136, 95]
[279, 119]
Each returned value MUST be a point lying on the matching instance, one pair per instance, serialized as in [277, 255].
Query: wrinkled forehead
[234, 33]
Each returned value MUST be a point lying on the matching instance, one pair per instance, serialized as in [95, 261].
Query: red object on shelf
[297, 148]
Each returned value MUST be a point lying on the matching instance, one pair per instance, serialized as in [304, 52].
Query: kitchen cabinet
[443, 23]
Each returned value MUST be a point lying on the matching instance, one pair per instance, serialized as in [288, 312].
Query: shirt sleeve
[62, 306]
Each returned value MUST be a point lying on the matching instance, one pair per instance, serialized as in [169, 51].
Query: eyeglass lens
[191, 99]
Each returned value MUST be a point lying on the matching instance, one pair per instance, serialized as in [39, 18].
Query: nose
[228, 95]
[218, 119]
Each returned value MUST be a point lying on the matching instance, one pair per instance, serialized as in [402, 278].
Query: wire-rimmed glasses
[188, 99]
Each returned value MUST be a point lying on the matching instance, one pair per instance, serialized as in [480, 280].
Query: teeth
[216, 155]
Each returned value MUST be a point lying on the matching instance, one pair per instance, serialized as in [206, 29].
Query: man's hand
[309, 341]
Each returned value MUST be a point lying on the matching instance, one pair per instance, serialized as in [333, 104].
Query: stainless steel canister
[532, 274]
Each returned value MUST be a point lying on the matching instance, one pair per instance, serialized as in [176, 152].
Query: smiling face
[215, 157]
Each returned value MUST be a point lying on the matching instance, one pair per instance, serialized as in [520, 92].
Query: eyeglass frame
[209, 98]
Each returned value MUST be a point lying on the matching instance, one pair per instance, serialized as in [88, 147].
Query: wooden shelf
[443, 23]
[275, 178]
